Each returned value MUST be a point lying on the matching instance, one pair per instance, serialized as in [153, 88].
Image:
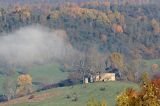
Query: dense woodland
[124, 33]
[133, 30]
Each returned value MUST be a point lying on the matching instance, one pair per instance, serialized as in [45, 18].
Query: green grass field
[49, 73]
[149, 63]
[112, 89]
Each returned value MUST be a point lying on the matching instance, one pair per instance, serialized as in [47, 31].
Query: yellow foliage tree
[24, 83]
[26, 11]
[155, 25]
[127, 98]
[111, 16]
[117, 60]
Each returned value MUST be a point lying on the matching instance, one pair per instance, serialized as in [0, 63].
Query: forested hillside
[132, 30]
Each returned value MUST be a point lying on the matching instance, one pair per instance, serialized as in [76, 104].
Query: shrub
[102, 89]
[68, 96]
[149, 95]
[75, 98]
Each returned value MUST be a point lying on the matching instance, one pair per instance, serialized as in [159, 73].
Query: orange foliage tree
[149, 95]
[117, 28]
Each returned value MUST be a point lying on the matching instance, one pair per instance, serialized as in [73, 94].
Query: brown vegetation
[117, 28]
[149, 95]
[154, 67]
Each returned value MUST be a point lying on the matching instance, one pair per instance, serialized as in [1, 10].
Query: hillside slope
[58, 96]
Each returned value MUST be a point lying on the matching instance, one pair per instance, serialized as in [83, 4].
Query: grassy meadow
[49, 73]
[112, 89]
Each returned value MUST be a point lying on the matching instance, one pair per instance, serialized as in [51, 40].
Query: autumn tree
[117, 60]
[127, 98]
[155, 25]
[117, 28]
[135, 69]
[25, 12]
[24, 85]
[147, 96]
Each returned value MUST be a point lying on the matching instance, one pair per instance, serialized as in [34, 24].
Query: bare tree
[88, 63]
[8, 88]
